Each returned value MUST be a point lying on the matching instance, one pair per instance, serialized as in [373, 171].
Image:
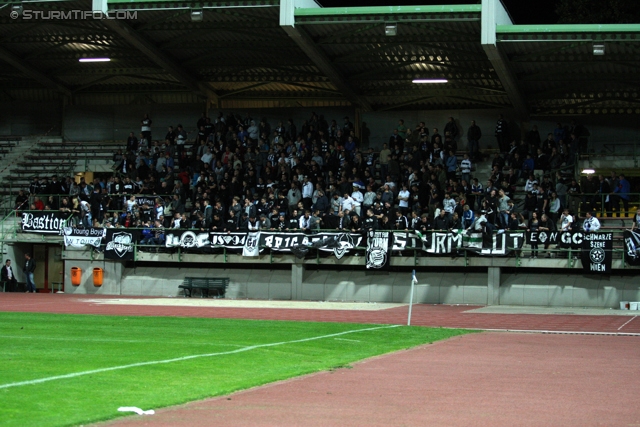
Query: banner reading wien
[597, 252]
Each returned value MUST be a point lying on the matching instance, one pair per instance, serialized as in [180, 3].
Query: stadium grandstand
[307, 153]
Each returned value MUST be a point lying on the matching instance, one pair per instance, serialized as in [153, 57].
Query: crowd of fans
[243, 173]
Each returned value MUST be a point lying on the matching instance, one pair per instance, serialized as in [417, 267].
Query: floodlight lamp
[429, 81]
[197, 15]
[588, 171]
[391, 29]
[94, 59]
[598, 49]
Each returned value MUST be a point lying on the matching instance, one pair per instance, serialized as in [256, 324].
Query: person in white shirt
[465, 167]
[347, 202]
[528, 186]
[403, 199]
[206, 157]
[304, 221]
[590, 223]
[358, 198]
[566, 220]
[307, 192]
[449, 204]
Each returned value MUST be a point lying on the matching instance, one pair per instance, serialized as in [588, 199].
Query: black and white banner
[81, 237]
[45, 222]
[449, 243]
[120, 244]
[632, 247]
[148, 200]
[204, 241]
[597, 253]
[252, 243]
[377, 256]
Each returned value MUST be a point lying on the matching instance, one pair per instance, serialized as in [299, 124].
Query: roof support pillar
[493, 14]
[156, 55]
[317, 56]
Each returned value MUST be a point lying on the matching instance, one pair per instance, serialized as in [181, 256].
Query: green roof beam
[386, 10]
[579, 28]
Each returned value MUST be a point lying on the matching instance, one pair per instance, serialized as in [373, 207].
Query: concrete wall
[564, 290]
[112, 277]
[484, 286]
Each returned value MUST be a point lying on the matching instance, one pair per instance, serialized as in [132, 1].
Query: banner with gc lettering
[597, 252]
[120, 244]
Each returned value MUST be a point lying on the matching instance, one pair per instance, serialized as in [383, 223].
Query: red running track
[487, 379]
[449, 316]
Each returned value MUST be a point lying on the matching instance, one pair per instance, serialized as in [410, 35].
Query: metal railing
[515, 257]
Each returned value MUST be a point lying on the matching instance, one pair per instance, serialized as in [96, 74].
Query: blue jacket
[467, 218]
[452, 163]
[623, 189]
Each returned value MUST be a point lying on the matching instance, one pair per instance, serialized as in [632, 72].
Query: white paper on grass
[136, 410]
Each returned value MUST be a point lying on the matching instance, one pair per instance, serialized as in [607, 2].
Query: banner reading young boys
[81, 237]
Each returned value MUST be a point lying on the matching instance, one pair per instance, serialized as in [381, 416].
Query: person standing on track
[29, 268]
[8, 277]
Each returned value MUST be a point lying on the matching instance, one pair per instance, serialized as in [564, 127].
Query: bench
[214, 285]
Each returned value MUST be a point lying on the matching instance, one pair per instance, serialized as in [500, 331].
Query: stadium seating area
[235, 174]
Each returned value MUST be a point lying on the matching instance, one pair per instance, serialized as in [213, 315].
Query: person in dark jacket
[322, 204]
[8, 278]
[29, 268]
[442, 221]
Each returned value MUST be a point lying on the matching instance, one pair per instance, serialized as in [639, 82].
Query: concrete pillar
[493, 285]
[297, 277]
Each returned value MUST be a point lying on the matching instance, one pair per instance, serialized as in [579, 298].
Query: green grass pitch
[60, 370]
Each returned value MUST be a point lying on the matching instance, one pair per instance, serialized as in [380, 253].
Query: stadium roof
[292, 53]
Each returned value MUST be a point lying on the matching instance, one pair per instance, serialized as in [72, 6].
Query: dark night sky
[522, 12]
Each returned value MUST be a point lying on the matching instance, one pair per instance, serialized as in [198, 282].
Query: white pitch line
[345, 339]
[627, 322]
[180, 359]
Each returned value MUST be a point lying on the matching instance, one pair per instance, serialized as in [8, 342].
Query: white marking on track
[180, 359]
[541, 331]
[627, 322]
